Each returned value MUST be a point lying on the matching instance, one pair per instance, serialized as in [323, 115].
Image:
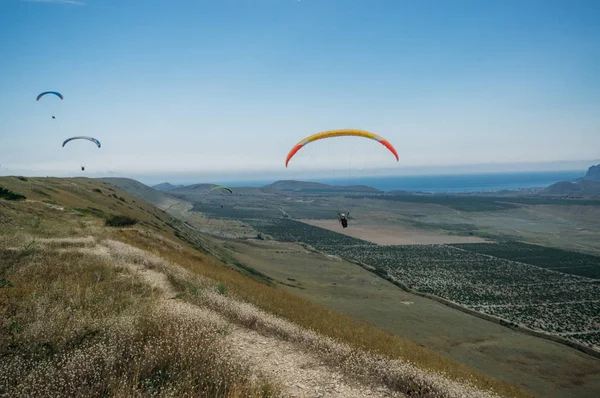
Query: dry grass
[74, 323]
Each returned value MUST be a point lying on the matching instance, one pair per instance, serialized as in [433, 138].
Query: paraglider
[221, 187]
[340, 133]
[342, 218]
[92, 139]
[59, 95]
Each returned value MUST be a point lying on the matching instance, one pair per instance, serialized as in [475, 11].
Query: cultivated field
[564, 261]
[522, 294]
[390, 233]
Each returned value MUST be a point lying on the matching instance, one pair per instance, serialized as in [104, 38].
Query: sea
[487, 182]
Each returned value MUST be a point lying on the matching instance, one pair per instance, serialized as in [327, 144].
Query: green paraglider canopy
[221, 187]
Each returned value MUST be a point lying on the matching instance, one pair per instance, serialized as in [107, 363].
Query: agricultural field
[521, 294]
[386, 233]
[214, 210]
[480, 203]
[545, 257]
[543, 289]
[287, 230]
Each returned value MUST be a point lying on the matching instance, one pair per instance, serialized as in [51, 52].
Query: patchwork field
[545, 257]
[391, 234]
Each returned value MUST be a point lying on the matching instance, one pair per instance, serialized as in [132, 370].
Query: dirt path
[298, 372]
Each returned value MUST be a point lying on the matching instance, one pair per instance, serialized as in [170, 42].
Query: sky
[226, 88]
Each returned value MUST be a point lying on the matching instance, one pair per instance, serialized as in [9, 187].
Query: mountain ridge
[165, 186]
[586, 185]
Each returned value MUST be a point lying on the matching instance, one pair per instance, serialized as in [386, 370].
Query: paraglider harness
[342, 218]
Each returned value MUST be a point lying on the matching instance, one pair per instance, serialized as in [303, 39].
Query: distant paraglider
[221, 187]
[340, 133]
[92, 139]
[59, 95]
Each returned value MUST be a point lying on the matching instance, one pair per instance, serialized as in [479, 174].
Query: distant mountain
[193, 188]
[165, 186]
[588, 185]
[315, 187]
[580, 187]
[136, 188]
[593, 173]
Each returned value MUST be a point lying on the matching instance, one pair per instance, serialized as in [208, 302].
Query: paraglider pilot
[342, 217]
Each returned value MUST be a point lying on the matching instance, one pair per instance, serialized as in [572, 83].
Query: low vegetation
[10, 195]
[120, 221]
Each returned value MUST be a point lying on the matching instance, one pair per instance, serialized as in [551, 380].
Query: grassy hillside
[93, 309]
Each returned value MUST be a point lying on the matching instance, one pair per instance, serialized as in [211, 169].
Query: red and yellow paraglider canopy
[340, 133]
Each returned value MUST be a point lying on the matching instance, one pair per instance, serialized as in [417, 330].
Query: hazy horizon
[225, 88]
[256, 179]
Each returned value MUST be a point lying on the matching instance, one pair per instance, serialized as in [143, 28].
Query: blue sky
[227, 87]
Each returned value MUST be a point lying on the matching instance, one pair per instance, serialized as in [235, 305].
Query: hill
[204, 187]
[136, 188]
[580, 187]
[587, 185]
[593, 173]
[165, 186]
[91, 306]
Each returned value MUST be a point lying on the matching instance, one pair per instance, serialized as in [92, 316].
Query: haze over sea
[450, 183]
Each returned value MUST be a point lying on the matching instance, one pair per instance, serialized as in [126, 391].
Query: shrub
[10, 195]
[222, 289]
[120, 221]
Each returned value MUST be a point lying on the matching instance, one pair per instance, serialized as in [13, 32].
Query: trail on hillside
[300, 374]
[300, 362]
